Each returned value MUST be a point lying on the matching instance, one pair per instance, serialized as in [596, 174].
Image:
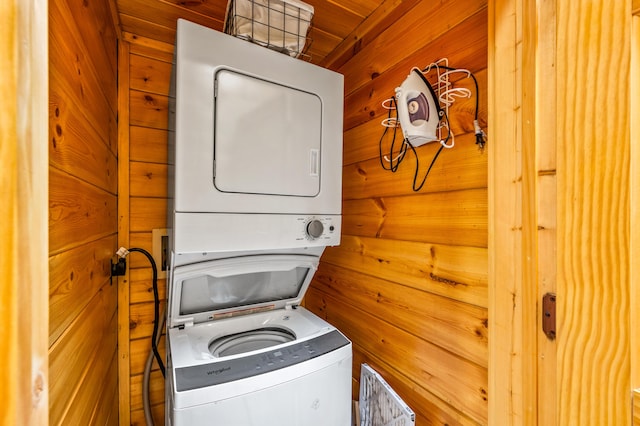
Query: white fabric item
[278, 24]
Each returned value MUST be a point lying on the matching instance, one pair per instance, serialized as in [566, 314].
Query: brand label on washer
[199, 376]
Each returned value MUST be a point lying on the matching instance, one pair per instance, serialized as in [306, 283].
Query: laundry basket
[281, 25]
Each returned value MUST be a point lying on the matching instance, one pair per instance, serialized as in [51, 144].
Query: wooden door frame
[24, 243]
[635, 207]
[522, 210]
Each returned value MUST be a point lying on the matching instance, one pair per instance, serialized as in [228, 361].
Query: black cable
[403, 149]
[156, 307]
[415, 175]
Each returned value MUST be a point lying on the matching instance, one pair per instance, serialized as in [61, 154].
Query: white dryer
[242, 352]
[257, 150]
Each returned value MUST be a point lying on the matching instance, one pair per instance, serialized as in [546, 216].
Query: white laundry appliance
[258, 147]
[244, 353]
[256, 189]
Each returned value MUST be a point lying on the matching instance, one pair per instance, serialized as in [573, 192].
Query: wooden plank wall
[408, 284]
[82, 213]
[147, 84]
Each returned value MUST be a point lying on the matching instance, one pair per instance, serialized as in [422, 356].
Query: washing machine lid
[267, 137]
[223, 288]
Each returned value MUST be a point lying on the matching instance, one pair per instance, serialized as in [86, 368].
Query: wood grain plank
[23, 233]
[463, 167]
[148, 179]
[420, 34]
[124, 394]
[138, 419]
[206, 8]
[143, 240]
[164, 14]
[149, 75]
[75, 276]
[459, 273]
[147, 214]
[361, 8]
[144, 28]
[70, 357]
[76, 147]
[460, 382]
[100, 380]
[634, 222]
[378, 20]
[141, 320]
[96, 29]
[457, 327]
[320, 43]
[140, 349]
[78, 212]
[141, 286]
[70, 58]
[156, 390]
[148, 145]
[148, 110]
[542, 267]
[150, 48]
[593, 214]
[337, 18]
[108, 408]
[424, 217]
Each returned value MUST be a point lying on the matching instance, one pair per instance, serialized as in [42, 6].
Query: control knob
[315, 228]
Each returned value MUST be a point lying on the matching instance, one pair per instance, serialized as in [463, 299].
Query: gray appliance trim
[199, 376]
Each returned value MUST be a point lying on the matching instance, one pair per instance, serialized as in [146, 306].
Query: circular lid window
[251, 340]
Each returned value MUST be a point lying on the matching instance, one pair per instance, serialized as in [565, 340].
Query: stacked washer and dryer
[255, 193]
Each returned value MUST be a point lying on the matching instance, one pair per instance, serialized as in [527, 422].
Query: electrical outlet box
[160, 251]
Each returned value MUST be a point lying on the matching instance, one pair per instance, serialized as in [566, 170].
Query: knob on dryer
[315, 228]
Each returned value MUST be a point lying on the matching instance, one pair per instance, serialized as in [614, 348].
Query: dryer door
[266, 137]
[238, 286]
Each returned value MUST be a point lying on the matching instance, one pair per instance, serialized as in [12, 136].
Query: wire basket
[280, 25]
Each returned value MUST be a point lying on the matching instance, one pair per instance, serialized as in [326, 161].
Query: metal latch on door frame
[549, 315]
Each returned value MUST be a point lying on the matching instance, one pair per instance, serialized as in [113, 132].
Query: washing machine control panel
[199, 376]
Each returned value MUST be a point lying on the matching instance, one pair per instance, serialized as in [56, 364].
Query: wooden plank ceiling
[337, 32]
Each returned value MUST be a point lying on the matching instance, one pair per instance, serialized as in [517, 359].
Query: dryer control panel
[317, 228]
[223, 232]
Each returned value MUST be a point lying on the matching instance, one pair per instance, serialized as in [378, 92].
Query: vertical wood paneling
[505, 212]
[124, 392]
[82, 213]
[24, 377]
[593, 212]
[635, 209]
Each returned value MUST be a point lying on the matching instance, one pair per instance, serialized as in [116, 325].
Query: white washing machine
[242, 352]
